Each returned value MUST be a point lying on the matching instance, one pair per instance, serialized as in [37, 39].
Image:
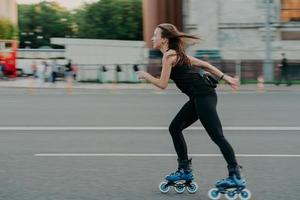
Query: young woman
[201, 105]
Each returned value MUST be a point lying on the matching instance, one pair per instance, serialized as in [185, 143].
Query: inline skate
[181, 179]
[232, 187]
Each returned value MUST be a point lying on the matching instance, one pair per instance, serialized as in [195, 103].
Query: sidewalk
[28, 83]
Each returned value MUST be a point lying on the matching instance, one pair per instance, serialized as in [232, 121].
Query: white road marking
[160, 155]
[141, 128]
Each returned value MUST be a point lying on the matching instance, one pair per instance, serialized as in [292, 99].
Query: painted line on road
[141, 128]
[162, 155]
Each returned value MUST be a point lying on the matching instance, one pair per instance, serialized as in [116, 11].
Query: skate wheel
[179, 188]
[192, 188]
[164, 187]
[214, 194]
[231, 195]
[245, 194]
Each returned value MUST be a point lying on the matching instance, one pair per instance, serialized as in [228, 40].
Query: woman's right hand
[233, 82]
[142, 75]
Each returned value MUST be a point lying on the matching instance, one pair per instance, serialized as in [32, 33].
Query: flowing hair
[178, 41]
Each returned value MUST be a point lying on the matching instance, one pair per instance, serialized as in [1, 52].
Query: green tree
[39, 22]
[111, 19]
[105, 19]
[7, 30]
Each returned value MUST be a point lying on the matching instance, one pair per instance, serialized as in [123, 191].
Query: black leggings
[203, 108]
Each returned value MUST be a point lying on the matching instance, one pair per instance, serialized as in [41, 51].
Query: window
[290, 35]
[5, 46]
[8, 45]
[290, 10]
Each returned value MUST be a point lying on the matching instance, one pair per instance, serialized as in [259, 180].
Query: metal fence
[109, 73]
[246, 70]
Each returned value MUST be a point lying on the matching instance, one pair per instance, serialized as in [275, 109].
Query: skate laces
[180, 172]
[177, 172]
[229, 180]
[232, 180]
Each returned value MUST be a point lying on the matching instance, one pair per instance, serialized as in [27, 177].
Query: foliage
[7, 30]
[105, 19]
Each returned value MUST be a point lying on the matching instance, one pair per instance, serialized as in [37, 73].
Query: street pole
[268, 66]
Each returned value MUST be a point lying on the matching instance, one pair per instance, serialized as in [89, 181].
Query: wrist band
[221, 77]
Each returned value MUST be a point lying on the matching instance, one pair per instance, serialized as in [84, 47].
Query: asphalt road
[81, 164]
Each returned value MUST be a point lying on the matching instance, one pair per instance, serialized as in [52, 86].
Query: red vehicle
[8, 55]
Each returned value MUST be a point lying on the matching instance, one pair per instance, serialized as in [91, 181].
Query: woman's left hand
[142, 75]
[233, 82]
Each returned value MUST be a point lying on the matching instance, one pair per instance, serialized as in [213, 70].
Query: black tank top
[189, 81]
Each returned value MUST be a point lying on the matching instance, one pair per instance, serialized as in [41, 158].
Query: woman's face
[157, 40]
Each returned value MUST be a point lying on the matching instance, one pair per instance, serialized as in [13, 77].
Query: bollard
[30, 85]
[103, 71]
[134, 78]
[260, 84]
[118, 73]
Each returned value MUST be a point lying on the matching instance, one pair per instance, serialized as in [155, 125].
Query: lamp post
[268, 66]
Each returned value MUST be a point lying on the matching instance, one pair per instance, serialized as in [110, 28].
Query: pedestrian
[68, 69]
[69, 76]
[181, 68]
[54, 70]
[46, 71]
[74, 71]
[284, 71]
[34, 69]
[1, 69]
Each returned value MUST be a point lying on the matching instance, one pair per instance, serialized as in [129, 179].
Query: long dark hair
[177, 41]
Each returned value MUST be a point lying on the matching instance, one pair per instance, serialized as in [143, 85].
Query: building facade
[160, 11]
[237, 28]
[9, 10]
[235, 35]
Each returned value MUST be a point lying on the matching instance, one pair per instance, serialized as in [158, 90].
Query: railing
[110, 73]
[247, 70]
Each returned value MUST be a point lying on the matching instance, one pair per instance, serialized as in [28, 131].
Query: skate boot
[181, 179]
[232, 187]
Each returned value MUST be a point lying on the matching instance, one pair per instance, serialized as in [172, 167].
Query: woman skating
[181, 68]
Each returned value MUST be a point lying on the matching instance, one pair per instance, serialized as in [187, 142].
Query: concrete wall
[25, 57]
[8, 9]
[91, 54]
[202, 17]
[236, 28]
[40, 53]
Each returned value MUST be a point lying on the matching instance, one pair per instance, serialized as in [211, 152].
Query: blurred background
[108, 40]
[109, 139]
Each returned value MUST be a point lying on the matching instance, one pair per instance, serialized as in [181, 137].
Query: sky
[70, 4]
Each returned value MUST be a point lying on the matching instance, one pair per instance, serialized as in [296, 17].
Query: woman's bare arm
[233, 82]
